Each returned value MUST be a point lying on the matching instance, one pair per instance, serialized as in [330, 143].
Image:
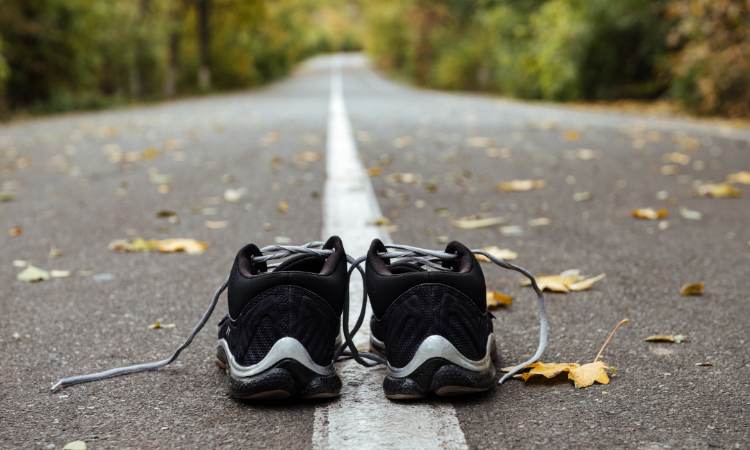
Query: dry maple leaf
[649, 213]
[570, 280]
[497, 252]
[520, 185]
[473, 223]
[582, 375]
[587, 374]
[547, 370]
[739, 177]
[692, 289]
[497, 299]
[718, 190]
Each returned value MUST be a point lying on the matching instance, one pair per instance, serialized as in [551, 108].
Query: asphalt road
[71, 196]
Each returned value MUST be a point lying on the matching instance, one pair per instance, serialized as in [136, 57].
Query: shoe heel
[285, 379]
[441, 370]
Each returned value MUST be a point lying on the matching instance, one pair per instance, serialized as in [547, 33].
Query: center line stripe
[363, 418]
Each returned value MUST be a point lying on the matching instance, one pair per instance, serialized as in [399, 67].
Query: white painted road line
[363, 418]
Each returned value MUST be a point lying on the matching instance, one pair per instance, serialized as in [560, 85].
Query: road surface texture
[70, 195]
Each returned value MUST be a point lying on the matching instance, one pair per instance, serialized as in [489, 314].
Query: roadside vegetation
[57, 55]
[695, 52]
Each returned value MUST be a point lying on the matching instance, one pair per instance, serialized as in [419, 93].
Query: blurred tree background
[64, 54]
[696, 52]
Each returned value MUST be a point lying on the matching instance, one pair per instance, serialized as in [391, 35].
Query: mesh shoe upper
[410, 303]
[301, 298]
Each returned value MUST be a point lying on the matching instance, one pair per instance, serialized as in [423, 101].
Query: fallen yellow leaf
[739, 177]
[161, 326]
[176, 245]
[649, 213]
[374, 171]
[547, 370]
[497, 299]
[75, 445]
[570, 280]
[582, 375]
[520, 185]
[497, 252]
[677, 158]
[308, 156]
[471, 223]
[718, 190]
[586, 284]
[189, 246]
[587, 374]
[282, 207]
[692, 289]
[571, 135]
[32, 274]
[671, 338]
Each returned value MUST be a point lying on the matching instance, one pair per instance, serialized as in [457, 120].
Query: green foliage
[711, 58]
[66, 54]
[569, 49]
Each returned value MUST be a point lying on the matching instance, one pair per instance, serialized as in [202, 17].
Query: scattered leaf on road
[497, 299]
[582, 196]
[677, 158]
[32, 274]
[174, 245]
[571, 135]
[587, 374]
[568, 281]
[671, 338]
[473, 223]
[582, 375]
[75, 445]
[216, 224]
[649, 213]
[690, 214]
[718, 190]
[739, 177]
[374, 171]
[7, 197]
[520, 185]
[282, 207]
[308, 156]
[158, 325]
[59, 273]
[497, 252]
[692, 289]
[511, 230]
[539, 222]
[547, 370]
[234, 195]
[15, 231]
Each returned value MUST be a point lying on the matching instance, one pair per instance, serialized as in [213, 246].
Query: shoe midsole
[284, 348]
[437, 346]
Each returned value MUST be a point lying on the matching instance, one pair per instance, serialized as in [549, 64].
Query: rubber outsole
[439, 377]
[286, 379]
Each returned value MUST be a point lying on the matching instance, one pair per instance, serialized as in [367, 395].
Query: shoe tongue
[302, 263]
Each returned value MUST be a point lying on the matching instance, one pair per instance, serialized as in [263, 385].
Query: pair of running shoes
[283, 332]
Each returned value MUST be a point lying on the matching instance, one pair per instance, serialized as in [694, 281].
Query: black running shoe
[430, 321]
[280, 336]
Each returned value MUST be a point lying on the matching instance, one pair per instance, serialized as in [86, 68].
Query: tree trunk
[173, 49]
[204, 44]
